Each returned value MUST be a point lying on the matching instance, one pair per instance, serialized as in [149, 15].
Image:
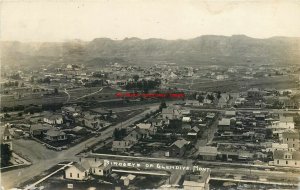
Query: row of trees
[143, 85]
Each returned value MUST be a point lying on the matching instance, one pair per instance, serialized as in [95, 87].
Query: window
[277, 161]
[100, 170]
[70, 174]
[286, 156]
[293, 145]
[287, 162]
[287, 139]
[77, 175]
[295, 162]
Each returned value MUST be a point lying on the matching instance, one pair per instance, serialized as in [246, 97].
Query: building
[255, 93]
[156, 122]
[92, 121]
[291, 138]
[53, 119]
[136, 134]
[286, 158]
[146, 128]
[6, 137]
[71, 110]
[178, 148]
[208, 152]
[186, 119]
[55, 135]
[192, 103]
[230, 114]
[277, 146]
[284, 123]
[224, 124]
[39, 129]
[78, 171]
[99, 169]
[197, 181]
[223, 100]
[122, 146]
[171, 113]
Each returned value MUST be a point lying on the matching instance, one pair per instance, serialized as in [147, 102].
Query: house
[291, 138]
[53, 119]
[277, 146]
[224, 124]
[178, 148]
[230, 114]
[186, 126]
[223, 100]
[92, 121]
[78, 171]
[6, 137]
[146, 128]
[55, 135]
[73, 111]
[194, 132]
[170, 113]
[39, 129]
[208, 152]
[99, 169]
[197, 181]
[278, 127]
[122, 146]
[192, 103]
[210, 115]
[156, 122]
[286, 158]
[255, 93]
[286, 102]
[79, 130]
[137, 134]
[127, 179]
[186, 119]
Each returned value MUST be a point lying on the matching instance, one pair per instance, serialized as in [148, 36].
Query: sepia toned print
[148, 94]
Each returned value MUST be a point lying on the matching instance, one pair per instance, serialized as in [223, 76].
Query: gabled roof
[83, 166]
[180, 143]
[196, 129]
[224, 121]
[6, 131]
[294, 134]
[286, 119]
[39, 127]
[144, 126]
[208, 149]
[54, 133]
[279, 154]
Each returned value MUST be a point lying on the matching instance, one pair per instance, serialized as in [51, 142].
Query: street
[47, 159]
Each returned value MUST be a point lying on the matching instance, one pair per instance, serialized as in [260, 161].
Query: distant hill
[208, 49]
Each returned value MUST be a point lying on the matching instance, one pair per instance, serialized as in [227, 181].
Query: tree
[5, 155]
[6, 115]
[136, 77]
[210, 97]
[269, 133]
[162, 105]
[218, 94]
[55, 91]
[200, 98]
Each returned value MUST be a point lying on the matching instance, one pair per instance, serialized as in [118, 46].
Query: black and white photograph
[150, 94]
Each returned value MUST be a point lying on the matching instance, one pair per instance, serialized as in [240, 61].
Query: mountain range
[208, 49]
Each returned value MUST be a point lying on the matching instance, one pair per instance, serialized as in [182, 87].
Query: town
[150, 95]
[122, 126]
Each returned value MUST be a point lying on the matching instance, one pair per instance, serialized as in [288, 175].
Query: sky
[54, 20]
